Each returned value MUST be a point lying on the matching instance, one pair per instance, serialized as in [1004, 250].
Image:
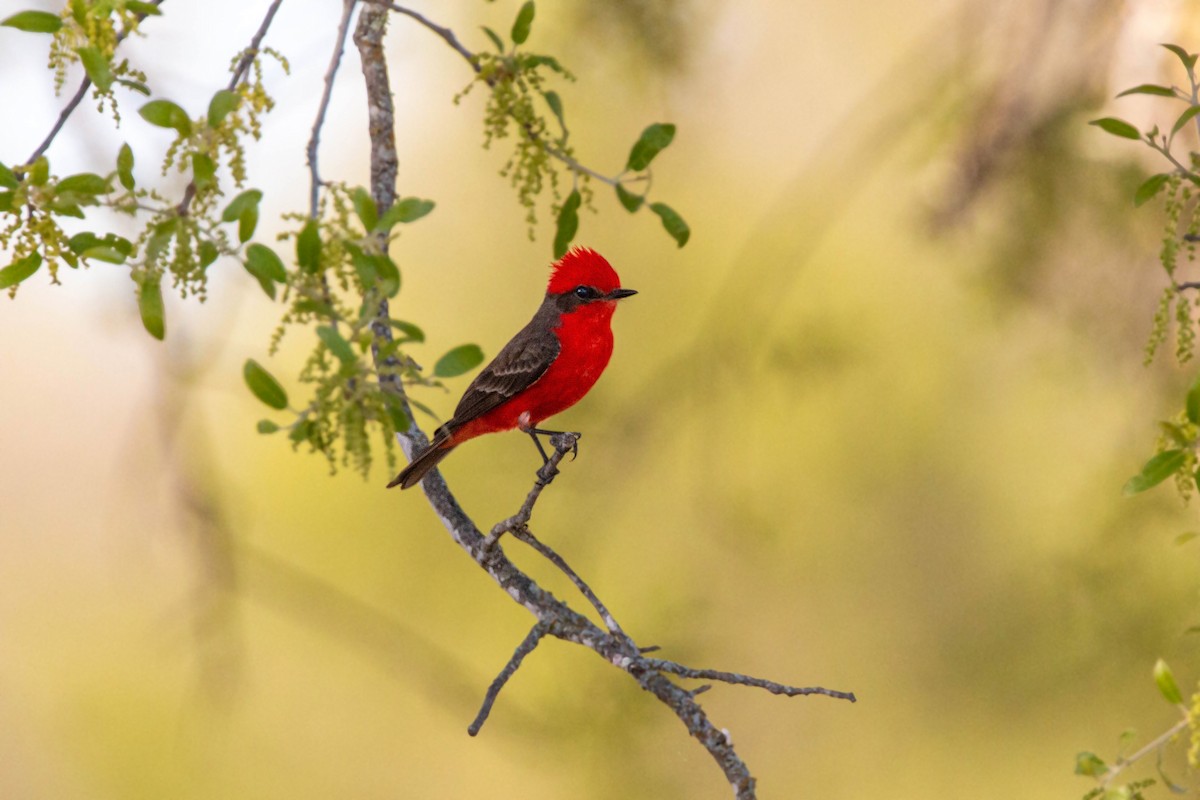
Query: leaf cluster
[521, 107]
[331, 272]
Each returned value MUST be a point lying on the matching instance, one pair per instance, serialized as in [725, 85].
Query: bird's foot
[566, 440]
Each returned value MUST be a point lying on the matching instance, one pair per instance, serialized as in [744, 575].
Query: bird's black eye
[586, 293]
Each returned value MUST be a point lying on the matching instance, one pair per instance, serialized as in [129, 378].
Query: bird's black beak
[617, 294]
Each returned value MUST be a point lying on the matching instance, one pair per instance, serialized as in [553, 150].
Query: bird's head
[583, 277]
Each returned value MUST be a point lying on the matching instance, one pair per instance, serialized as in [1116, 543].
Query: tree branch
[314, 141]
[523, 649]
[239, 72]
[553, 616]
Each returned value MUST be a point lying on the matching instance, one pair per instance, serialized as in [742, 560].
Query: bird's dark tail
[426, 460]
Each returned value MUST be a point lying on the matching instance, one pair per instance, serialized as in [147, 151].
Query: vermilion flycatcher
[547, 368]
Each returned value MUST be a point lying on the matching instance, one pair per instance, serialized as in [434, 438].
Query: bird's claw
[561, 441]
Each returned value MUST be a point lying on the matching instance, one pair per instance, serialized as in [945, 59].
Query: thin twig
[567, 443]
[248, 55]
[1121, 764]
[445, 33]
[525, 535]
[315, 141]
[525, 648]
[744, 680]
[472, 59]
[76, 99]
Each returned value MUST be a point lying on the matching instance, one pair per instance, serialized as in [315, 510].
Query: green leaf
[84, 183]
[39, 171]
[97, 67]
[524, 20]
[165, 114]
[1166, 683]
[125, 166]
[103, 253]
[208, 252]
[8, 179]
[556, 107]
[531, 60]
[1117, 127]
[266, 426]
[567, 225]
[461, 359]
[336, 343]
[364, 207]
[239, 204]
[412, 332]
[389, 275]
[264, 385]
[632, 202]
[34, 22]
[1184, 119]
[408, 209]
[79, 9]
[150, 306]
[496, 40]
[674, 223]
[401, 421]
[1090, 764]
[308, 247]
[247, 222]
[1156, 470]
[137, 86]
[86, 242]
[1188, 59]
[219, 107]
[263, 263]
[19, 270]
[1149, 188]
[653, 140]
[1150, 88]
[267, 261]
[1193, 402]
[145, 9]
[203, 170]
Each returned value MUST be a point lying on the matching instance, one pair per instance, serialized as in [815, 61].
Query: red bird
[547, 367]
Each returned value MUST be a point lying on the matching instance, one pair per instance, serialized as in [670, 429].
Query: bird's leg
[559, 440]
[533, 435]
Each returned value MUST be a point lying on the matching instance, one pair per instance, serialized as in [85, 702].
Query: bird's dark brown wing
[515, 368]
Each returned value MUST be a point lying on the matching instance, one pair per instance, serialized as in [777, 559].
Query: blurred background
[868, 430]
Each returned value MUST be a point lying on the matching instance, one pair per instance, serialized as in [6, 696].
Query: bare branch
[568, 443]
[525, 535]
[744, 680]
[248, 55]
[315, 140]
[445, 33]
[523, 649]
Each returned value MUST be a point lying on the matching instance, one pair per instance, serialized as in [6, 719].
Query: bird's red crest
[582, 266]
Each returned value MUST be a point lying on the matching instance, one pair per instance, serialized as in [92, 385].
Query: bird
[545, 369]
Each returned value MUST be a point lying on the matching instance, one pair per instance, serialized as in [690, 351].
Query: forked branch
[553, 617]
